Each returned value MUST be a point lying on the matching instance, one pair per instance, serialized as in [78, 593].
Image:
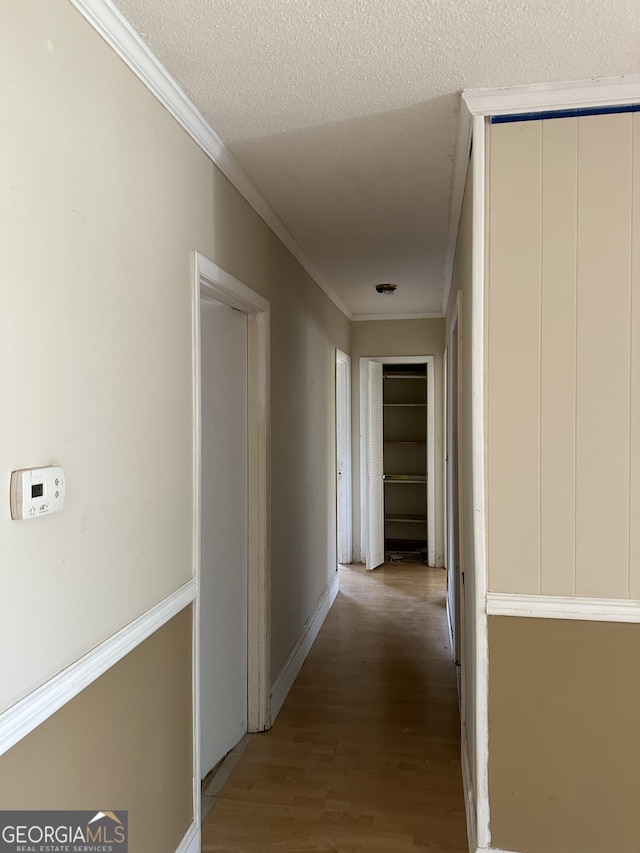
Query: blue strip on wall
[574, 113]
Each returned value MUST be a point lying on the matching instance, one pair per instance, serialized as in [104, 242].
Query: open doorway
[397, 506]
[232, 689]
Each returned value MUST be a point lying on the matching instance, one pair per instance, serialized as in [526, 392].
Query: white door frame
[453, 509]
[344, 532]
[429, 360]
[212, 282]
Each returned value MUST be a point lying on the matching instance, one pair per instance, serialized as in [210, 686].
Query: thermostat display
[36, 491]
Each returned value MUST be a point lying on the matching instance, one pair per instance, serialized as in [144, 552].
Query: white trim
[460, 170]
[429, 360]
[493, 850]
[538, 97]
[211, 281]
[563, 607]
[477, 333]
[344, 532]
[293, 664]
[191, 841]
[22, 718]
[469, 794]
[431, 315]
[120, 35]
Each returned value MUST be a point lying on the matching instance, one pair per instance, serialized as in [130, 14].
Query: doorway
[232, 685]
[372, 443]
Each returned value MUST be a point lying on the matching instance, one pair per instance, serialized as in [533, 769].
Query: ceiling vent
[386, 288]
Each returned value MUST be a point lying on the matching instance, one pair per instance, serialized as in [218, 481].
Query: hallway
[365, 754]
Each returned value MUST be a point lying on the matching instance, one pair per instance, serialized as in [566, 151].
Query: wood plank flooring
[364, 757]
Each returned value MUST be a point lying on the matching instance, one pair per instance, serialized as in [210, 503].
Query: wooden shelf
[408, 519]
[404, 478]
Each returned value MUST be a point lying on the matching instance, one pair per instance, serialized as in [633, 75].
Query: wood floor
[364, 757]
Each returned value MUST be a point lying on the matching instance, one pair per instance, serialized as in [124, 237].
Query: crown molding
[539, 97]
[433, 315]
[118, 33]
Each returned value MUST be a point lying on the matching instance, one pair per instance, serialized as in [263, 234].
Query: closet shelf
[410, 519]
[405, 376]
[404, 478]
[406, 405]
[395, 441]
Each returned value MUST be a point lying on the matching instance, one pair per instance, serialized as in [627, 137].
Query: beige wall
[104, 200]
[563, 734]
[563, 341]
[123, 743]
[396, 338]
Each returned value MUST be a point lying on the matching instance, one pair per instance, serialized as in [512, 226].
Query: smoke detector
[386, 288]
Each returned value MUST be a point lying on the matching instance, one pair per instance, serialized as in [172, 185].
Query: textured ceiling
[343, 112]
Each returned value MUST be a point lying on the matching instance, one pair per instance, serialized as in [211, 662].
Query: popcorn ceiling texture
[343, 111]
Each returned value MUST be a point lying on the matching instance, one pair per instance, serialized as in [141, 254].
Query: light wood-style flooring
[364, 756]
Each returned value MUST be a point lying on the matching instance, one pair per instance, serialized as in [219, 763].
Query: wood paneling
[634, 427]
[558, 357]
[365, 754]
[514, 221]
[602, 429]
[562, 384]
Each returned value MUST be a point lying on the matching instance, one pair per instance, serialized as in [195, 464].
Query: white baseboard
[469, 794]
[293, 664]
[450, 625]
[23, 717]
[492, 850]
[191, 841]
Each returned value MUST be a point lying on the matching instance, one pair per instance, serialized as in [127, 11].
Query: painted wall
[462, 295]
[563, 478]
[564, 744]
[563, 349]
[123, 743]
[391, 338]
[103, 200]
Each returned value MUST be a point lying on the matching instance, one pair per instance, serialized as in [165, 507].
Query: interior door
[375, 481]
[224, 514]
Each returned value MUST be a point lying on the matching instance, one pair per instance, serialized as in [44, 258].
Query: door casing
[429, 360]
[212, 281]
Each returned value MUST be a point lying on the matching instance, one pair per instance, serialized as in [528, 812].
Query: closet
[404, 403]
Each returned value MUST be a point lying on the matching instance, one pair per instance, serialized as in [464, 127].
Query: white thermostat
[36, 491]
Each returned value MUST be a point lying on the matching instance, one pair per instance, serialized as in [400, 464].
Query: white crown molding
[460, 169]
[563, 607]
[539, 97]
[433, 315]
[23, 717]
[120, 35]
